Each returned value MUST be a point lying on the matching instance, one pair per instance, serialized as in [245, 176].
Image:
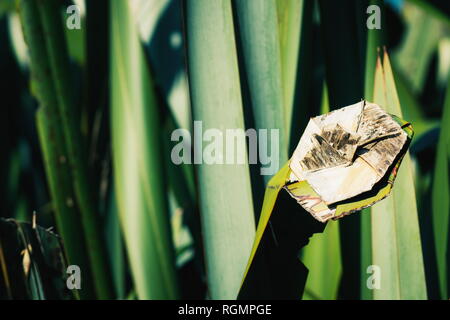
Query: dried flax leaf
[344, 154]
[351, 134]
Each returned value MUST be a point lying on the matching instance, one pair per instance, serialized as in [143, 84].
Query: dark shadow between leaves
[276, 271]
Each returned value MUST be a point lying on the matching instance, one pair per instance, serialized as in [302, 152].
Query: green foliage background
[87, 117]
